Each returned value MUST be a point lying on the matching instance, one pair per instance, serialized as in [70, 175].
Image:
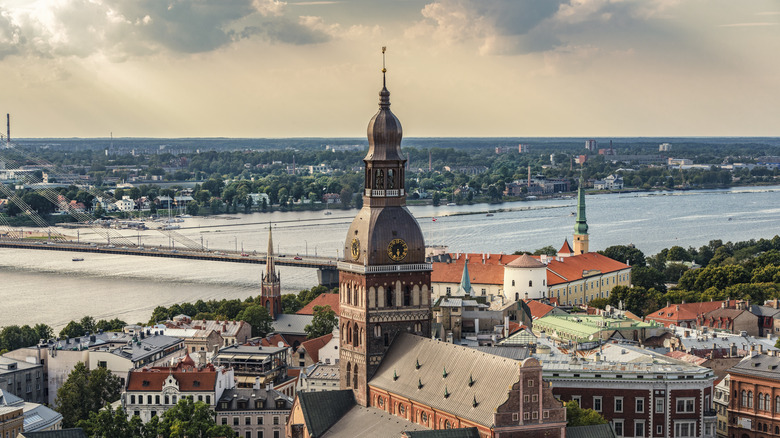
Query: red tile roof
[538, 309]
[565, 249]
[677, 313]
[566, 269]
[189, 378]
[313, 346]
[683, 356]
[326, 299]
[272, 341]
[490, 270]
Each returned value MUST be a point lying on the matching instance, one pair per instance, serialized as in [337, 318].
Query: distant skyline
[456, 68]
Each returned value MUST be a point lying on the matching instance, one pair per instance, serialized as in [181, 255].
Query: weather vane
[384, 70]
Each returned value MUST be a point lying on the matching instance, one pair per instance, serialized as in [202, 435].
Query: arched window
[407, 295]
[750, 399]
[355, 378]
[132, 399]
[390, 179]
[349, 294]
[760, 401]
[530, 283]
[356, 302]
[377, 331]
[390, 296]
[517, 296]
[355, 337]
[349, 334]
[777, 404]
[513, 282]
[349, 373]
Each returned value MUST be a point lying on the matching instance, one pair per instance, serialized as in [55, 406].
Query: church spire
[581, 225]
[465, 282]
[270, 268]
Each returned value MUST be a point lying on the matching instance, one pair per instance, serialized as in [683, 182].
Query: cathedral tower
[384, 281]
[581, 227]
[270, 284]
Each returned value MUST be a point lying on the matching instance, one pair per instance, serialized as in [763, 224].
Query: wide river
[47, 286]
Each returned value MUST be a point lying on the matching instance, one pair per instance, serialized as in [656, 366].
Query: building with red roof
[325, 299]
[569, 279]
[686, 314]
[151, 391]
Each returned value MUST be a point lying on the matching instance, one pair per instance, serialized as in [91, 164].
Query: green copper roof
[581, 227]
[465, 283]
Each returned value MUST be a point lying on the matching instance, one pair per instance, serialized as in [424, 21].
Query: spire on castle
[465, 283]
[270, 267]
[581, 225]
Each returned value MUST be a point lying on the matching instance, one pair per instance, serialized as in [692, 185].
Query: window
[686, 405]
[659, 430]
[535, 415]
[530, 383]
[597, 404]
[659, 405]
[530, 283]
[577, 398]
[248, 421]
[449, 290]
[484, 291]
[640, 404]
[525, 398]
[750, 399]
[248, 434]
[513, 282]
[685, 428]
[259, 420]
[276, 421]
[132, 399]
[618, 426]
[534, 398]
[744, 399]
[157, 399]
[235, 421]
[526, 416]
[619, 404]
[639, 428]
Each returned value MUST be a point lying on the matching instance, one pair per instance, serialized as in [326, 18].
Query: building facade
[754, 387]
[384, 281]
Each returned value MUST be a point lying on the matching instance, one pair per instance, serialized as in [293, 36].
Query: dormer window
[280, 404]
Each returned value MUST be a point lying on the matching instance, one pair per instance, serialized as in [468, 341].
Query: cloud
[120, 28]
[757, 24]
[506, 27]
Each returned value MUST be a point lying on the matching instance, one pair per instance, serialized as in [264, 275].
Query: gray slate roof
[509, 352]
[762, 365]
[321, 410]
[467, 432]
[362, 422]
[288, 324]
[76, 432]
[594, 431]
[763, 310]
[492, 375]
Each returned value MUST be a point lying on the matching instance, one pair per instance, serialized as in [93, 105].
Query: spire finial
[384, 95]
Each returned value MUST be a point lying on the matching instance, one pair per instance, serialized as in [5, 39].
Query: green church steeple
[465, 282]
[581, 227]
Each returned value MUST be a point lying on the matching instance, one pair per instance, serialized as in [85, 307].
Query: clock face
[397, 250]
[355, 250]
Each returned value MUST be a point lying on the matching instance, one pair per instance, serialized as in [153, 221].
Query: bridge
[327, 271]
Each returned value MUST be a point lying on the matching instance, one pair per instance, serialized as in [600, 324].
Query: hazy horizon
[456, 68]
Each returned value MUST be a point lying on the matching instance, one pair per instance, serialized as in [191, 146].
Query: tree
[110, 423]
[322, 323]
[84, 392]
[648, 278]
[576, 416]
[258, 317]
[290, 304]
[625, 254]
[547, 250]
[72, 330]
[14, 336]
[193, 420]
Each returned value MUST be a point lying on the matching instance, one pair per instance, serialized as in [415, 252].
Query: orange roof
[565, 249]
[326, 299]
[189, 378]
[526, 261]
[538, 309]
[270, 341]
[683, 356]
[567, 269]
[313, 346]
[490, 270]
[676, 313]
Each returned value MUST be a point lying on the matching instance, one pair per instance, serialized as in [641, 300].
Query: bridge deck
[325, 263]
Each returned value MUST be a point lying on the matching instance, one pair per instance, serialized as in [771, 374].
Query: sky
[455, 68]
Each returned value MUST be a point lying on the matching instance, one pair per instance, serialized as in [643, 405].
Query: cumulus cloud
[120, 28]
[528, 26]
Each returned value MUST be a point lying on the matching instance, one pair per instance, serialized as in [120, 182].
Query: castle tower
[581, 227]
[270, 284]
[384, 281]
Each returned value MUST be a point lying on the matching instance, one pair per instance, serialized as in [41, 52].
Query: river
[47, 286]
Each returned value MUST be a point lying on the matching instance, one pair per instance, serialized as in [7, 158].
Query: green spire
[474, 403]
[395, 376]
[419, 383]
[417, 365]
[581, 227]
[446, 393]
[444, 374]
[465, 283]
[471, 380]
